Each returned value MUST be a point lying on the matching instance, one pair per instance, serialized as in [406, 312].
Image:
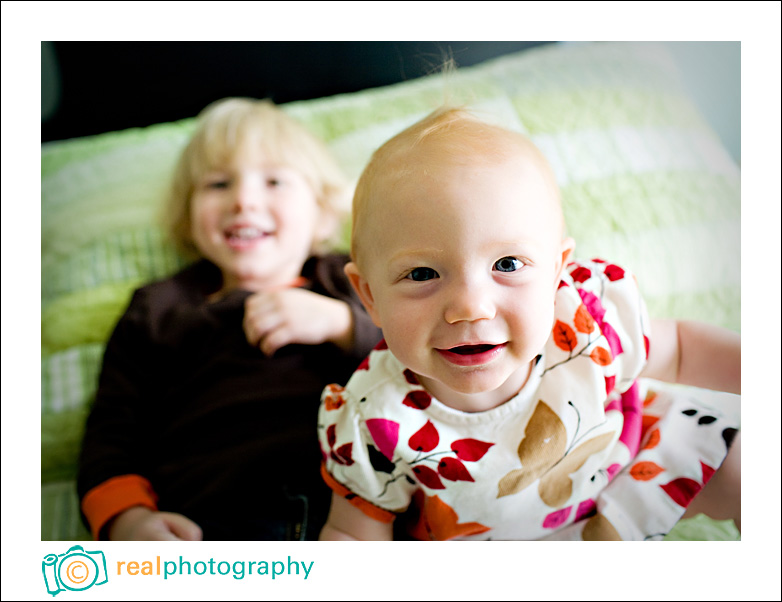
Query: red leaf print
[364, 365]
[410, 377]
[598, 260]
[562, 283]
[583, 320]
[601, 356]
[614, 272]
[645, 471]
[425, 439]
[336, 458]
[557, 518]
[564, 337]
[646, 346]
[682, 490]
[707, 471]
[581, 274]
[331, 434]
[419, 400]
[346, 453]
[470, 450]
[654, 439]
[381, 346]
[610, 380]
[428, 477]
[453, 470]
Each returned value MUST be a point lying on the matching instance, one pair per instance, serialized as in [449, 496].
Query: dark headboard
[94, 87]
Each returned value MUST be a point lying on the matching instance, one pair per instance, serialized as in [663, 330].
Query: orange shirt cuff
[372, 511]
[107, 500]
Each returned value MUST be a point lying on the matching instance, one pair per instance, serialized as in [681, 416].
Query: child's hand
[142, 524]
[275, 319]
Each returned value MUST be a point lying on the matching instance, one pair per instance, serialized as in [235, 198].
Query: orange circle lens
[72, 571]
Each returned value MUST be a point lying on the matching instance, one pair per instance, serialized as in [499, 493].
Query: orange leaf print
[332, 397]
[650, 397]
[645, 471]
[564, 337]
[601, 356]
[438, 521]
[647, 422]
[583, 320]
[654, 439]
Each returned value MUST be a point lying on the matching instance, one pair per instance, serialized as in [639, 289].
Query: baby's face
[256, 221]
[460, 268]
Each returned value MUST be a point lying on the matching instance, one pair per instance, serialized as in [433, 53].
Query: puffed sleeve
[612, 298]
[358, 456]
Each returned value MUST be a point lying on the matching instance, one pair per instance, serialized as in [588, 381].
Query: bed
[645, 181]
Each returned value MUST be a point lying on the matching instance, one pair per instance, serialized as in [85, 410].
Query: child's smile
[460, 270]
[256, 222]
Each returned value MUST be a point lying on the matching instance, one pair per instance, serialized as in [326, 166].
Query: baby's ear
[361, 286]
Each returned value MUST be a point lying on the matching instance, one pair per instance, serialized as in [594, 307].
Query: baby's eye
[273, 182]
[422, 274]
[508, 264]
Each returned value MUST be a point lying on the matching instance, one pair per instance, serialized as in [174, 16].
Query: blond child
[504, 401]
[201, 427]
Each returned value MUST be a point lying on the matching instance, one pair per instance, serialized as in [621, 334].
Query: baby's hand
[275, 319]
[142, 524]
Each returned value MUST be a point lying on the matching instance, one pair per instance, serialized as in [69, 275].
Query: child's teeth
[246, 233]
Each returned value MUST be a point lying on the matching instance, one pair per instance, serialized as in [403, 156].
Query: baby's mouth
[471, 349]
[472, 355]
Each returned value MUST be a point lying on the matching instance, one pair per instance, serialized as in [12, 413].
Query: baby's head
[252, 184]
[458, 248]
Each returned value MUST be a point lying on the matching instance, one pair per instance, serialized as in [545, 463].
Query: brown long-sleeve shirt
[190, 418]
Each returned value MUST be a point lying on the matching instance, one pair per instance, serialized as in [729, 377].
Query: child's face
[460, 270]
[256, 222]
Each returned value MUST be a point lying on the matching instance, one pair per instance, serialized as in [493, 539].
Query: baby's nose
[468, 303]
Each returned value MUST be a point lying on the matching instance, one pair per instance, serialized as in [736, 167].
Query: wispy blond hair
[449, 134]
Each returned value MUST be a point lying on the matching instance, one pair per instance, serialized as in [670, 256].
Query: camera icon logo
[76, 570]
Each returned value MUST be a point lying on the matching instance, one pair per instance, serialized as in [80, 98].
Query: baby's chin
[475, 394]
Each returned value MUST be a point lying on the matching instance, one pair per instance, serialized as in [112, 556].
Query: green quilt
[645, 182]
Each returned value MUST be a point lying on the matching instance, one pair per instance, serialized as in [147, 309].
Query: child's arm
[275, 319]
[348, 523]
[694, 353]
[142, 524]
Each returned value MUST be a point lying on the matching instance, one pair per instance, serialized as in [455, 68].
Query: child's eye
[273, 182]
[508, 264]
[422, 274]
[218, 184]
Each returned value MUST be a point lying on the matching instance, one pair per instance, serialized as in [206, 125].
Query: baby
[203, 424]
[504, 398]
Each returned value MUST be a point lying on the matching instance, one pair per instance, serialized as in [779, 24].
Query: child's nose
[248, 196]
[469, 302]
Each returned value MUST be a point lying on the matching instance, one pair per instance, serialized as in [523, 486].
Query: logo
[76, 570]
